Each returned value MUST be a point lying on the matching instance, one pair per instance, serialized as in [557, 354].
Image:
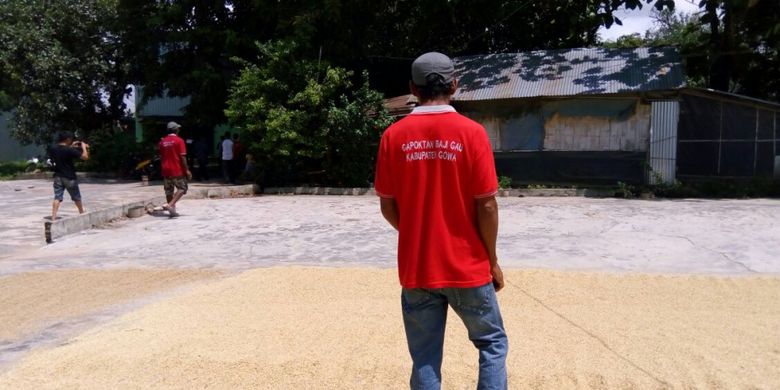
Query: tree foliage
[59, 56]
[115, 151]
[674, 29]
[183, 47]
[304, 116]
[57, 60]
[729, 45]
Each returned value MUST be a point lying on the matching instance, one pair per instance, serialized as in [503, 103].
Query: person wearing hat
[175, 171]
[436, 179]
[62, 155]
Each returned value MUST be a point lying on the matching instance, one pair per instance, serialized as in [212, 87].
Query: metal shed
[600, 115]
[580, 115]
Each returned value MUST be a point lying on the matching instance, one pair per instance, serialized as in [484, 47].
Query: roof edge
[707, 92]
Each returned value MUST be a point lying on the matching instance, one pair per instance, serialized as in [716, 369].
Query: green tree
[627, 41]
[304, 119]
[183, 47]
[687, 33]
[362, 28]
[730, 45]
[674, 29]
[57, 60]
[743, 46]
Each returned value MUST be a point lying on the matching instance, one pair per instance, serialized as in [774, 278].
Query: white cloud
[639, 21]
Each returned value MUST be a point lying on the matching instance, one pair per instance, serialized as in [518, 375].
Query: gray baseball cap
[173, 126]
[432, 63]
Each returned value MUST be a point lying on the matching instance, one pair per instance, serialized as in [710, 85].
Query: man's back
[62, 157]
[201, 149]
[171, 149]
[227, 149]
[437, 179]
[434, 163]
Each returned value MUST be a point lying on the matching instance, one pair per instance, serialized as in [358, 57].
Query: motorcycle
[149, 168]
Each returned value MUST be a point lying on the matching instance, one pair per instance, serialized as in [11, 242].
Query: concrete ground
[727, 237]
[27, 204]
[99, 275]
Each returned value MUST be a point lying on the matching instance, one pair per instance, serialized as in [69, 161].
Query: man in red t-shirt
[175, 172]
[436, 180]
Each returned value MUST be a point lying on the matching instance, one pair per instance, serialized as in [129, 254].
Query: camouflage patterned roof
[568, 72]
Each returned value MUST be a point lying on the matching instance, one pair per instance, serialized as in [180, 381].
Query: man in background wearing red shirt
[175, 172]
[436, 179]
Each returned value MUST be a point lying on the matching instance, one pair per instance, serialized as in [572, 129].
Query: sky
[639, 21]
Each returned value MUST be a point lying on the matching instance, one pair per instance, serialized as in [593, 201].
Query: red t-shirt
[434, 163]
[172, 147]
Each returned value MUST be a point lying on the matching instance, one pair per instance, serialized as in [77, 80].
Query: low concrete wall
[370, 191]
[318, 191]
[584, 192]
[82, 176]
[33, 175]
[65, 226]
[223, 192]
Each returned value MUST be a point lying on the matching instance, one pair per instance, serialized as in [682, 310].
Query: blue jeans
[425, 317]
[72, 185]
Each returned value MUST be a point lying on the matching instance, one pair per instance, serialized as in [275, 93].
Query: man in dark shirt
[201, 150]
[62, 155]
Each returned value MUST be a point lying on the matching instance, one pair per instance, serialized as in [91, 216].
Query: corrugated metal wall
[575, 124]
[663, 141]
[573, 141]
[587, 131]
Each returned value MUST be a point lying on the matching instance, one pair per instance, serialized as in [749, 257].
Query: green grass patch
[11, 168]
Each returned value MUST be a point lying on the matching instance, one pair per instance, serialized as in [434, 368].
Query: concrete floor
[728, 237]
[26, 204]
